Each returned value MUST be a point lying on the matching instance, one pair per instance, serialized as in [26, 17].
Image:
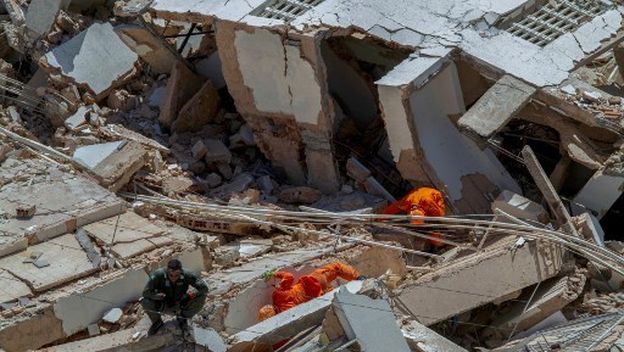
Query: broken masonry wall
[456, 164]
[279, 86]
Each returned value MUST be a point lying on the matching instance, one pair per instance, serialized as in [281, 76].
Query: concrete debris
[181, 87]
[369, 321]
[199, 110]
[497, 106]
[114, 163]
[251, 138]
[96, 58]
[113, 316]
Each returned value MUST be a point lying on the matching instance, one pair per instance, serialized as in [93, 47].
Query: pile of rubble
[248, 137]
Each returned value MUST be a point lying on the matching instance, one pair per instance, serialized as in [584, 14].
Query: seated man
[289, 294]
[168, 290]
[423, 201]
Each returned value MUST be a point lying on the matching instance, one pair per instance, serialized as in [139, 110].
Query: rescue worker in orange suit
[289, 294]
[422, 201]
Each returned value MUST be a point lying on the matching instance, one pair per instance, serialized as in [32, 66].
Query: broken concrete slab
[64, 201]
[124, 340]
[209, 339]
[288, 323]
[149, 47]
[181, 87]
[551, 296]
[41, 15]
[40, 329]
[67, 262]
[497, 106]
[11, 288]
[132, 249]
[78, 310]
[113, 163]
[589, 226]
[237, 185]
[96, 58]
[598, 194]
[425, 141]
[199, 110]
[123, 228]
[520, 207]
[370, 321]
[480, 278]
[422, 339]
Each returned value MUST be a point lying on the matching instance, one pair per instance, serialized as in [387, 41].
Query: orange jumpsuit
[289, 295]
[423, 201]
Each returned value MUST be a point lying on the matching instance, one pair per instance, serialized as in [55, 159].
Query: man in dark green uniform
[168, 290]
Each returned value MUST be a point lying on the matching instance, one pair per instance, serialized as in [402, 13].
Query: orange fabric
[289, 295]
[266, 312]
[423, 201]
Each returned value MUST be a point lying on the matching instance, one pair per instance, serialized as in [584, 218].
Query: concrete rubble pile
[249, 137]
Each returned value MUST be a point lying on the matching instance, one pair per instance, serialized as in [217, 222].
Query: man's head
[174, 270]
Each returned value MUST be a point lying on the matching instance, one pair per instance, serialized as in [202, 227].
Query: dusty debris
[249, 146]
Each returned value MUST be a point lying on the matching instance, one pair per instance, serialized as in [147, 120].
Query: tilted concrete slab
[96, 58]
[66, 258]
[113, 163]
[550, 297]
[497, 106]
[479, 279]
[519, 206]
[63, 202]
[370, 321]
[421, 338]
[599, 194]
[78, 310]
[41, 15]
[12, 288]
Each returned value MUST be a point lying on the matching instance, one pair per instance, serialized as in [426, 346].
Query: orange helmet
[266, 312]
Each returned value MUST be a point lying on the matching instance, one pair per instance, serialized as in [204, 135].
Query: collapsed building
[244, 137]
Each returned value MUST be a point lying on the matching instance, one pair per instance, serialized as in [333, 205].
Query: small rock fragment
[113, 316]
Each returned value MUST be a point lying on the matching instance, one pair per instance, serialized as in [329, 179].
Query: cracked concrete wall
[279, 86]
[419, 127]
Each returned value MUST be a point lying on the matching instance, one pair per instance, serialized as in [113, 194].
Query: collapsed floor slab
[63, 202]
[65, 261]
[479, 279]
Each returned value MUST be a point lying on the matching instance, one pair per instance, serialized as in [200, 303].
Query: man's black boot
[155, 327]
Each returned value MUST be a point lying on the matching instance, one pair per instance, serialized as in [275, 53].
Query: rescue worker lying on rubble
[168, 291]
[289, 294]
[422, 201]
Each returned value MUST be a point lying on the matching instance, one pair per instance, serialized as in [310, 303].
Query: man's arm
[152, 289]
[199, 284]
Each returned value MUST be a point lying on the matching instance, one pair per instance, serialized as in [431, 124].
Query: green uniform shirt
[160, 283]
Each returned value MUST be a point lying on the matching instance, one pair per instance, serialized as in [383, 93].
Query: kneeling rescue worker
[422, 201]
[289, 294]
[168, 291]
